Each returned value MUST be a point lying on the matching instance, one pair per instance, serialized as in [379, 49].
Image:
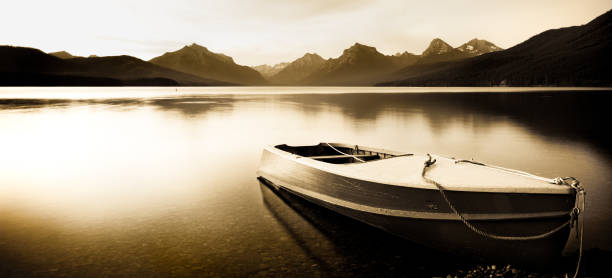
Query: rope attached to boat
[350, 155]
[579, 232]
[573, 213]
[525, 174]
[578, 208]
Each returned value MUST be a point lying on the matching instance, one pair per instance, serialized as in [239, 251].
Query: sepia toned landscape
[305, 139]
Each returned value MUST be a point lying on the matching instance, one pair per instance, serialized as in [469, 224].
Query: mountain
[358, 65]
[21, 66]
[478, 47]
[267, 71]
[62, 55]
[298, 70]
[440, 51]
[571, 56]
[198, 60]
[438, 47]
[364, 65]
[405, 59]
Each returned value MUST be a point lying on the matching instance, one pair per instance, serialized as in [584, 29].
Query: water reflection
[17, 103]
[575, 116]
[193, 106]
[163, 184]
[336, 243]
[581, 113]
[187, 105]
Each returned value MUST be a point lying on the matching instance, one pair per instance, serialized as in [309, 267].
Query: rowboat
[460, 206]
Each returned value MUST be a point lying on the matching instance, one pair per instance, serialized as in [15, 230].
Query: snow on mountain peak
[478, 47]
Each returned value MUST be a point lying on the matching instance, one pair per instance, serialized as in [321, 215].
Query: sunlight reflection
[95, 162]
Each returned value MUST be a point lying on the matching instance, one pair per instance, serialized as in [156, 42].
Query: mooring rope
[573, 214]
[580, 232]
[555, 181]
[578, 208]
[350, 155]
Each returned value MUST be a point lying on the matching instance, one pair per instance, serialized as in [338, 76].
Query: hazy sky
[272, 31]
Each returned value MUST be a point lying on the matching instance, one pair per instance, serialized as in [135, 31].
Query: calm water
[155, 182]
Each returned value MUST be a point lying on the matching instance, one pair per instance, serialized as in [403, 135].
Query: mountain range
[571, 56]
[364, 65]
[21, 66]
[267, 71]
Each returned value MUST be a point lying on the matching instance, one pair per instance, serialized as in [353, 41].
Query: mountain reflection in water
[151, 182]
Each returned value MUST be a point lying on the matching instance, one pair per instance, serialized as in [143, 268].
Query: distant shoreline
[10, 94]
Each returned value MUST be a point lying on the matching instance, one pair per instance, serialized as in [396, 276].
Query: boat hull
[421, 215]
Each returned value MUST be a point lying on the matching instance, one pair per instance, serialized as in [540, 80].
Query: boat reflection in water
[343, 246]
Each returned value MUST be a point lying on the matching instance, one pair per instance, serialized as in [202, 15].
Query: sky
[272, 31]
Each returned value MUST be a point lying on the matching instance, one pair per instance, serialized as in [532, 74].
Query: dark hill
[571, 56]
[63, 55]
[22, 66]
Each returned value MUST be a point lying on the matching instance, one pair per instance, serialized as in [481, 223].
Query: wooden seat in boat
[364, 156]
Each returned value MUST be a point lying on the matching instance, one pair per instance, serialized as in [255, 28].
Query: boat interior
[338, 153]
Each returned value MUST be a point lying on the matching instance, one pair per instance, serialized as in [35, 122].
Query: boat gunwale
[324, 166]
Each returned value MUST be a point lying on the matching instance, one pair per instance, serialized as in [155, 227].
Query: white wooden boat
[459, 206]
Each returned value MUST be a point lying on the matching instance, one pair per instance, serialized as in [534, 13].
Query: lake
[158, 182]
